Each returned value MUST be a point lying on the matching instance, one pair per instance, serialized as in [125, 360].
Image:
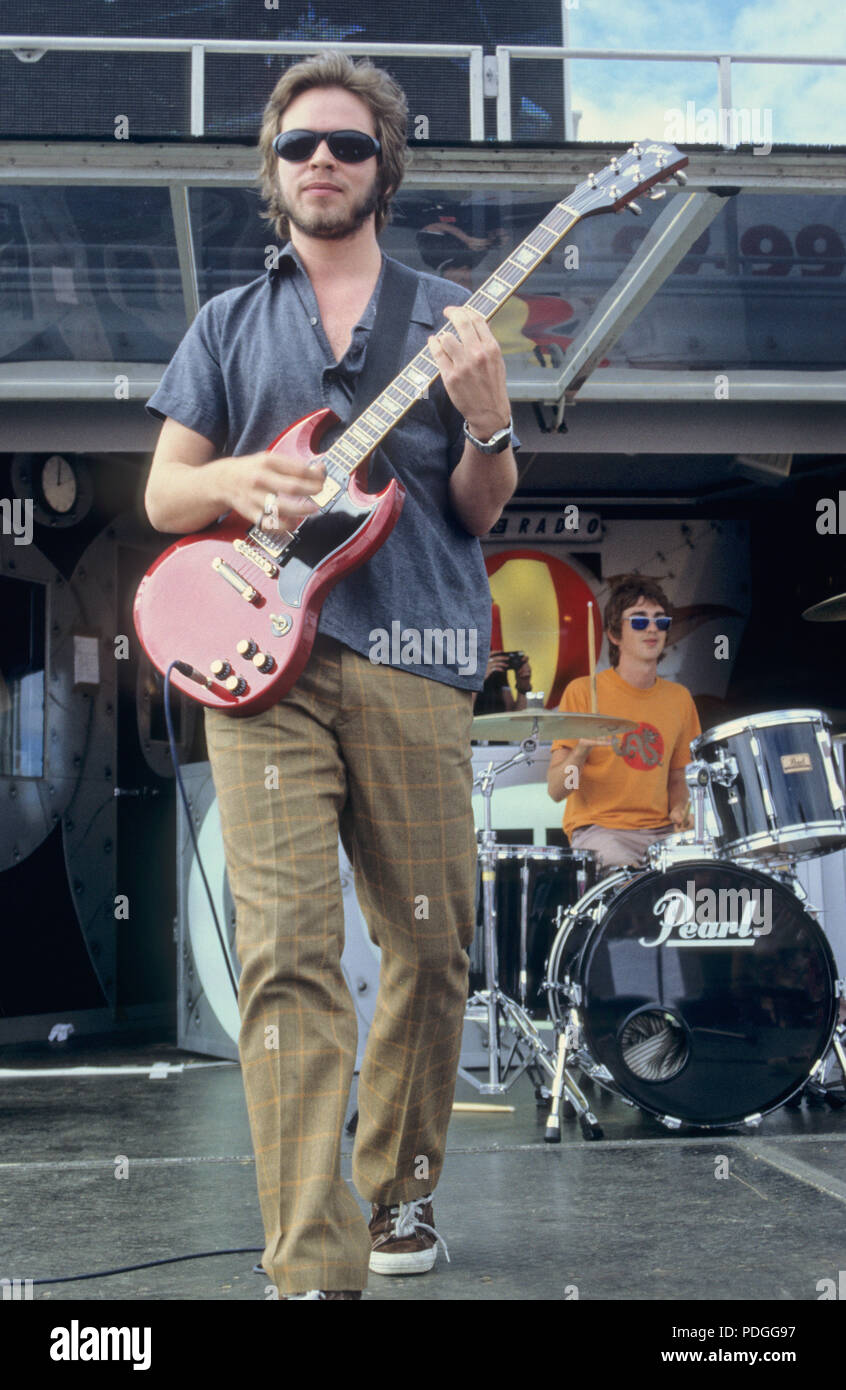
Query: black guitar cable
[186, 670]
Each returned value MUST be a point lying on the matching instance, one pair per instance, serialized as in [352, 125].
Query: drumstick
[592, 658]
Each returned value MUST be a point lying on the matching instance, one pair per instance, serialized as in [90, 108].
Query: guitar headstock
[627, 175]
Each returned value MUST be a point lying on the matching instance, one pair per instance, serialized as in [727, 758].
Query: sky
[623, 100]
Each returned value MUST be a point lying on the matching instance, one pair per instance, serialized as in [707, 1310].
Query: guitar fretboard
[361, 438]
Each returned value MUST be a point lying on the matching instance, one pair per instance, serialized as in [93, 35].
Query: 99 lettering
[764, 249]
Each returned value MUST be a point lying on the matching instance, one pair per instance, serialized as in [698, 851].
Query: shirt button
[313, 322]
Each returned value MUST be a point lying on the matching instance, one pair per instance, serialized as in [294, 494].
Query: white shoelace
[407, 1222]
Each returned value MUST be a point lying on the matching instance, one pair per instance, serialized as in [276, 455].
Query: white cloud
[621, 100]
[783, 26]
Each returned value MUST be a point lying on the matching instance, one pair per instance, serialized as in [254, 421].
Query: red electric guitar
[237, 606]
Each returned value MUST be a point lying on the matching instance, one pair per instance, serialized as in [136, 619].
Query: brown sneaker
[404, 1238]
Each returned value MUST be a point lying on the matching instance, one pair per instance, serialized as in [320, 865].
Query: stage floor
[640, 1215]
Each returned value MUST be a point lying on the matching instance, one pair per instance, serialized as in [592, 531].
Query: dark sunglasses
[640, 623]
[349, 146]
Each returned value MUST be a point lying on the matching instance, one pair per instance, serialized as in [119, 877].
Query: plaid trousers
[383, 757]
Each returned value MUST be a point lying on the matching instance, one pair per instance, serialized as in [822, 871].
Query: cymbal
[830, 610]
[550, 724]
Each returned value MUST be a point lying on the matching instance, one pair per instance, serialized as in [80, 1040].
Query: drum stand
[832, 1093]
[835, 1094]
[495, 1010]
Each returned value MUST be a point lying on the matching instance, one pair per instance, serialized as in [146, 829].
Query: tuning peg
[592, 180]
[633, 207]
[680, 178]
[636, 149]
[655, 194]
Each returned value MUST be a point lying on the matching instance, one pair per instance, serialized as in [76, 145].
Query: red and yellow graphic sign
[542, 605]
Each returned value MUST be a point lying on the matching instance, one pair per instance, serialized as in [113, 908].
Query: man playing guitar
[622, 798]
[377, 752]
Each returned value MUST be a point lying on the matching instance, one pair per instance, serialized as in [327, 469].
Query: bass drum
[704, 994]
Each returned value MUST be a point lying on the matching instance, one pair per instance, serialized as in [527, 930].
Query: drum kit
[700, 987]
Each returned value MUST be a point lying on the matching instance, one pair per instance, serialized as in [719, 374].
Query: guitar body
[211, 591]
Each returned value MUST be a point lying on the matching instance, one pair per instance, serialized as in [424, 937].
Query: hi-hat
[830, 610]
[546, 725]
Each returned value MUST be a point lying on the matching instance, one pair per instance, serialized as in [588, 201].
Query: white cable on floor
[153, 1070]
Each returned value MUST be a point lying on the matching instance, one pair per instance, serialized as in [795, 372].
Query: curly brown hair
[625, 594]
[375, 87]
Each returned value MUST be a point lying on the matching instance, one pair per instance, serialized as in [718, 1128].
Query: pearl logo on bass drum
[707, 917]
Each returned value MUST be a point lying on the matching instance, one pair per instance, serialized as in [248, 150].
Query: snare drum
[677, 849]
[532, 883]
[774, 786]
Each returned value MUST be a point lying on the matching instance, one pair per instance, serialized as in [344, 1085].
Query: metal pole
[503, 95]
[565, 72]
[724, 86]
[477, 95]
[181, 211]
[198, 89]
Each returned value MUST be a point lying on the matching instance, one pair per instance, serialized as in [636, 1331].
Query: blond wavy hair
[380, 93]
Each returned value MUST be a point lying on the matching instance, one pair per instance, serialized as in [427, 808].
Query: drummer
[625, 792]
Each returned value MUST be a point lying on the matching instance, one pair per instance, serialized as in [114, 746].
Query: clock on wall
[60, 487]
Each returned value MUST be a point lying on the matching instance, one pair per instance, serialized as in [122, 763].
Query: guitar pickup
[329, 490]
[255, 557]
[226, 572]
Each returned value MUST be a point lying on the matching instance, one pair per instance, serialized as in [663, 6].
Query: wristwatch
[496, 444]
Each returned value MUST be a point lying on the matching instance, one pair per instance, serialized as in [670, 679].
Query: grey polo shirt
[255, 360]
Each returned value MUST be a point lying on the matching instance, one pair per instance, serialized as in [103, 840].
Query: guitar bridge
[274, 548]
[232, 577]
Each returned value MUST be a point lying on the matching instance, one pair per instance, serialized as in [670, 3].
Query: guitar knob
[246, 647]
[236, 685]
[220, 669]
[263, 662]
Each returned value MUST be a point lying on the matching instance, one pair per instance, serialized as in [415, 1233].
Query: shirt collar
[288, 262]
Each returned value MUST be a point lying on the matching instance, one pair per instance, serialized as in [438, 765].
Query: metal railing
[30, 48]
[505, 53]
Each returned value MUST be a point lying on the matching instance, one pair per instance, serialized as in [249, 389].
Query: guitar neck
[412, 383]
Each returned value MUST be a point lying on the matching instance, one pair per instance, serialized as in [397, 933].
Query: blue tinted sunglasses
[641, 623]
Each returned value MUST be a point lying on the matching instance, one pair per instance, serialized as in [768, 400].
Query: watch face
[59, 484]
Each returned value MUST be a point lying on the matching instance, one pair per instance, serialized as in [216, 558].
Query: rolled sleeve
[691, 730]
[192, 389]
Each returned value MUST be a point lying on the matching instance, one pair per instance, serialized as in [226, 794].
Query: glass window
[89, 274]
[22, 679]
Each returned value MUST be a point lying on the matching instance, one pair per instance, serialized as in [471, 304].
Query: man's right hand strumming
[271, 490]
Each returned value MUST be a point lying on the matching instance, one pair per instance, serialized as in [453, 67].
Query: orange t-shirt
[626, 786]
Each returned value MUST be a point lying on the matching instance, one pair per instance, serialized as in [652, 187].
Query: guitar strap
[384, 358]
